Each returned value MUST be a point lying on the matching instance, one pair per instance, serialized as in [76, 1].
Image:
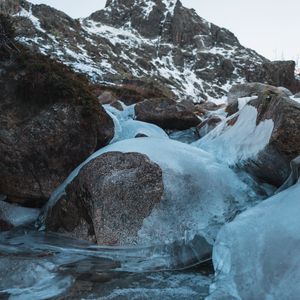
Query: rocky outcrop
[272, 165]
[167, 113]
[277, 73]
[109, 199]
[50, 122]
[156, 39]
[132, 91]
[249, 90]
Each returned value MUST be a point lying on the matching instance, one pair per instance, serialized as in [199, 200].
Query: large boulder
[109, 199]
[277, 73]
[273, 163]
[167, 113]
[50, 122]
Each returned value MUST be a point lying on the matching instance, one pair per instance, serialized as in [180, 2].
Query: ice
[295, 98]
[17, 215]
[257, 255]
[244, 101]
[127, 128]
[242, 141]
[200, 194]
[30, 278]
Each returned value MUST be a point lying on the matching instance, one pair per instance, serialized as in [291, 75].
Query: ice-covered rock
[239, 138]
[199, 193]
[13, 215]
[262, 138]
[257, 255]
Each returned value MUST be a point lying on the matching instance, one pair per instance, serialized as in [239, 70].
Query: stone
[167, 113]
[109, 199]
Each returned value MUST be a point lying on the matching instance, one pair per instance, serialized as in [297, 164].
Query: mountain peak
[158, 40]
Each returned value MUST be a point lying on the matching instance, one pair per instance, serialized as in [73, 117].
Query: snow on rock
[28, 14]
[137, 39]
[257, 255]
[243, 140]
[199, 193]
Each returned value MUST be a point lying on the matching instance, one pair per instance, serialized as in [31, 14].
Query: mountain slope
[158, 40]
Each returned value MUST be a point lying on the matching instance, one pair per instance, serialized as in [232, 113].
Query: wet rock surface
[109, 199]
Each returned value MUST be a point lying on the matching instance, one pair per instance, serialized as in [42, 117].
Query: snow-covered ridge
[202, 66]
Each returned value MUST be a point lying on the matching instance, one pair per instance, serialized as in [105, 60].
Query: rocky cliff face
[131, 39]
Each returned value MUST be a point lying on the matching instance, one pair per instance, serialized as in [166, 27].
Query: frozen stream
[202, 193]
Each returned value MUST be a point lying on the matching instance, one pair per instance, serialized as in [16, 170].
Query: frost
[257, 255]
[242, 141]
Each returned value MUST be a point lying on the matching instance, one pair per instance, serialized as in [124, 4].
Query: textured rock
[167, 113]
[178, 48]
[50, 123]
[109, 199]
[277, 73]
[249, 90]
[273, 163]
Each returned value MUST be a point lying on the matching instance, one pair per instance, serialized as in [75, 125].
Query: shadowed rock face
[167, 113]
[273, 163]
[50, 122]
[132, 39]
[109, 199]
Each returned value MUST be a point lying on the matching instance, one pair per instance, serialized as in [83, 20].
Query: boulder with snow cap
[167, 113]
